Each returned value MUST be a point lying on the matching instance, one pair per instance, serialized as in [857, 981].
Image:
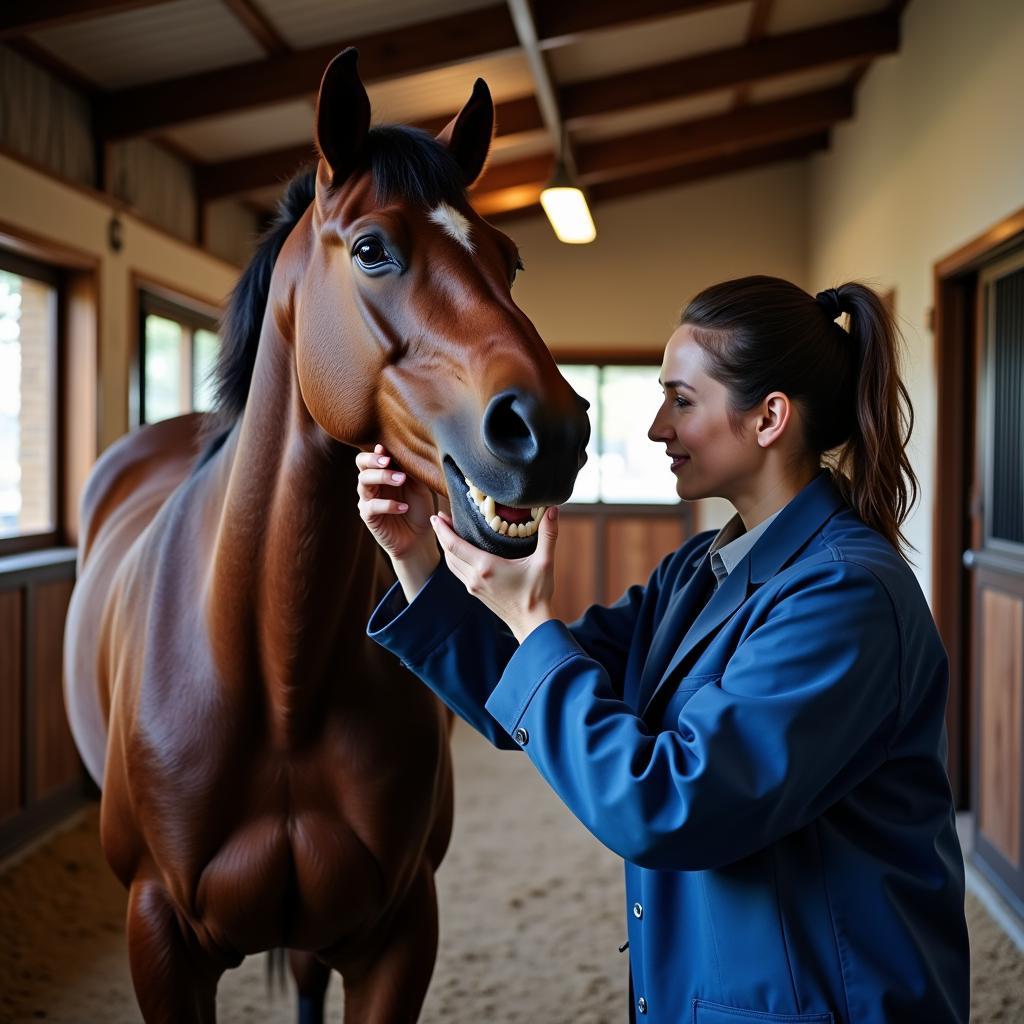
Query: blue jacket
[770, 764]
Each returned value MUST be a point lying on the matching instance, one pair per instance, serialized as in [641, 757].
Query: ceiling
[648, 93]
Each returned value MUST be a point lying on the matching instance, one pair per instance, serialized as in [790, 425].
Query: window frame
[601, 361]
[154, 301]
[25, 266]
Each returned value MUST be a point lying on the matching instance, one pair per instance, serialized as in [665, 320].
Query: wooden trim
[145, 109]
[113, 204]
[856, 38]
[20, 19]
[954, 285]
[609, 356]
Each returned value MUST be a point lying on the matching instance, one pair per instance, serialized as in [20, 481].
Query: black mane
[405, 163]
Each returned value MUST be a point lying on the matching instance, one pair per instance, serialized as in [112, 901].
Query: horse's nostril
[507, 430]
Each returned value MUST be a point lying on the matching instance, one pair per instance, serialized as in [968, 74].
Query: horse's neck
[295, 572]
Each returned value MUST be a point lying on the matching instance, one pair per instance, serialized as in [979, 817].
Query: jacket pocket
[714, 1013]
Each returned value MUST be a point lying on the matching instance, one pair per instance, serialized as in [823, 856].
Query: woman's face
[708, 457]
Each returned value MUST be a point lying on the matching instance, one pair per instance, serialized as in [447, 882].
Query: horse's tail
[277, 960]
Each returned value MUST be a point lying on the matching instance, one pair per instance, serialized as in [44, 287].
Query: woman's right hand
[397, 509]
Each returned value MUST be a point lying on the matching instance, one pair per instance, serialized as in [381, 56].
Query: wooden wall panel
[1001, 683]
[634, 545]
[55, 761]
[575, 566]
[10, 702]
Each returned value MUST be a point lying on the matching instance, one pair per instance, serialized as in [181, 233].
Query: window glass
[28, 324]
[204, 357]
[165, 340]
[623, 464]
[633, 468]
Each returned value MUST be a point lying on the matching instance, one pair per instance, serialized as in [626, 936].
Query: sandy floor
[530, 921]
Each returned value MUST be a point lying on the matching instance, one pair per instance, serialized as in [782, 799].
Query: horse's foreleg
[172, 984]
[391, 988]
[311, 977]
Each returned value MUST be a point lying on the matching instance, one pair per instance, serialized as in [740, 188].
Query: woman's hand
[397, 509]
[518, 590]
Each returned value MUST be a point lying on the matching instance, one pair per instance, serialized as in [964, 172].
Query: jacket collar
[795, 524]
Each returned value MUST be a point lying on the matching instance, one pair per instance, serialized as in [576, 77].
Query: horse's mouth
[506, 530]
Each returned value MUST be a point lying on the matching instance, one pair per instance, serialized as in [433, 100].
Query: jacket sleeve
[801, 715]
[460, 649]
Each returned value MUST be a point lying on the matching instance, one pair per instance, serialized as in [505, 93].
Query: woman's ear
[342, 115]
[774, 418]
[469, 134]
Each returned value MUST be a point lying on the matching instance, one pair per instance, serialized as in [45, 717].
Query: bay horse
[271, 779]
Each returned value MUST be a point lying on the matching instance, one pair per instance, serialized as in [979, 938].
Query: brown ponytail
[763, 334]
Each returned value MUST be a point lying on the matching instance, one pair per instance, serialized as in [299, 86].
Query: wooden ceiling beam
[719, 135]
[259, 26]
[258, 170]
[759, 156]
[146, 109]
[857, 39]
[18, 19]
[560, 21]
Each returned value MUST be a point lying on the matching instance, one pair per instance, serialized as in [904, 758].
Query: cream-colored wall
[652, 254]
[934, 156]
[654, 251]
[46, 209]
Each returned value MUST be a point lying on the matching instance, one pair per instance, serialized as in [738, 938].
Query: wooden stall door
[995, 563]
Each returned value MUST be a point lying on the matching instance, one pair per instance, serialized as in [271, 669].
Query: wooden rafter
[475, 35]
[499, 206]
[147, 108]
[258, 170]
[757, 28]
[719, 135]
[259, 26]
[857, 38]
[18, 19]
[558, 21]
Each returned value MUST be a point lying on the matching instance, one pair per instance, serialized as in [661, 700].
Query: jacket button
[521, 736]
[638, 911]
[641, 1005]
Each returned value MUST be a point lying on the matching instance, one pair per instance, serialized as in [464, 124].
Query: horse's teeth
[495, 524]
[489, 510]
[503, 529]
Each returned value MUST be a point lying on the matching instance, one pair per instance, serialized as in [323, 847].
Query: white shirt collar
[731, 545]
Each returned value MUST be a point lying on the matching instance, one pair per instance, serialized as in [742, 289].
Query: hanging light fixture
[566, 207]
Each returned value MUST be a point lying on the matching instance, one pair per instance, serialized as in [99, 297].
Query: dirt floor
[531, 915]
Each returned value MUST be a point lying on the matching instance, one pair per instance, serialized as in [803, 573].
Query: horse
[270, 778]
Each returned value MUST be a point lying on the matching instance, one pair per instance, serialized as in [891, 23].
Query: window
[28, 400]
[623, 465]
[176, 359]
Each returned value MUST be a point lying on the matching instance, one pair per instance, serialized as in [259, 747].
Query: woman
[759, 731]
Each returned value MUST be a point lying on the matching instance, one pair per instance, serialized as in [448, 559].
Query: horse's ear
[468, 135]
[342, 115]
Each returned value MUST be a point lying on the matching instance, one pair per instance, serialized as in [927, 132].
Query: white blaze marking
[454, 223]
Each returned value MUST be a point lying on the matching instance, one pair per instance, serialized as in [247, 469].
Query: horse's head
[405, 327]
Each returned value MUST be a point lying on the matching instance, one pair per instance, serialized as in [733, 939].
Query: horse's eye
[371, 253]
[515, 271]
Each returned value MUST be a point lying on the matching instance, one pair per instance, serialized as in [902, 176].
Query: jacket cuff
[412, 631]
[548, 646]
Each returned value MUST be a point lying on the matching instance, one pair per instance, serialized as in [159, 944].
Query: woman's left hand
[517, 590]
